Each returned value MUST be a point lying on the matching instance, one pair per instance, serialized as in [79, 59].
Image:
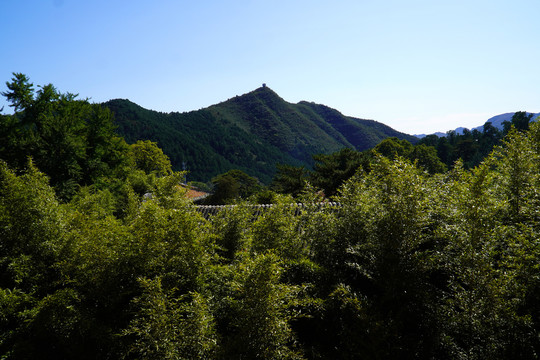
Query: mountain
[496, 121]
[252, 132]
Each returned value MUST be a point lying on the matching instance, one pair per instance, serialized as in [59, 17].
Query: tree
[261, 327]
[234, 184]
[106, 152]
[71, 140]
[31, 229]
[426, 157]
[381, 253]
[490, 131]
[330, 171]
[289, 179]
[169, 327]
[148, 157]
[21, 94]
[444, 151]
[393, 147]
[466, 148]
[483, 291]
[520, 120]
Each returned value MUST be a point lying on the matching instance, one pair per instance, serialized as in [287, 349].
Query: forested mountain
[252, 132]
[409, 260]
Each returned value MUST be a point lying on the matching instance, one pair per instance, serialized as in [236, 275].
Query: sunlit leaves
[169, 327]
[261, 329]
[406, 265]
[147, 156]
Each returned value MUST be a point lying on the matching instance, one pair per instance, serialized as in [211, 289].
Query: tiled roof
[194, 193]
[296, 208]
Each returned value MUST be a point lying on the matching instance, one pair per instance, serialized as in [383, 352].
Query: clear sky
[419, 66]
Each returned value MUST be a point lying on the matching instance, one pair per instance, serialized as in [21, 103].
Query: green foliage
[30, 227]
[411, 263]
[275, 230]
[520, 121]
[393, 147]
[481, 299]
[233, 185]
[289, 179]
[426, 156]
[472, 147]
[71, 140]
[229, 227]
[149, 158]
[260, 329]
[169, 327]
[382, 252]
[269, 131]
[330, 171]
[21, 93]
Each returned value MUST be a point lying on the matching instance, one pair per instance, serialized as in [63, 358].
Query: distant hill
[252, 132]
[496, 121]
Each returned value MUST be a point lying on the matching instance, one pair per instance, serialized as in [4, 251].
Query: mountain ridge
[252, 132]
[496, 121]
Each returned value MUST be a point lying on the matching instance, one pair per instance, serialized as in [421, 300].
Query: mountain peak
[265, 91]
[252, 132]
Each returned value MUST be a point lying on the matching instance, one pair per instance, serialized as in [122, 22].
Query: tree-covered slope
[267, 116]
[363, 134]
[205, 145]
[252, 132]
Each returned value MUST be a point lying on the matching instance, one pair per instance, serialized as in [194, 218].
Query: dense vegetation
[195, 141]
[332, 170]
[411, 265]
[75, 144]
[432, 153]
[252, 133]
[473, 146]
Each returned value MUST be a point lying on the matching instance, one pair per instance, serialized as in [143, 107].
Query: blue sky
[418, 66]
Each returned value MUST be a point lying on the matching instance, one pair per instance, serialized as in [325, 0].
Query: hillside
[252, 132]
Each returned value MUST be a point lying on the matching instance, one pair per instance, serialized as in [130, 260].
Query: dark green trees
[520, 120]
[21, 94]
[425, 155]
[71, 140]
[474, 146]
[289, 179]
[332, 170]
[408, 265]
[231, 186]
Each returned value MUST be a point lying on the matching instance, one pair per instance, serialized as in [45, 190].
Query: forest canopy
[405, 263]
